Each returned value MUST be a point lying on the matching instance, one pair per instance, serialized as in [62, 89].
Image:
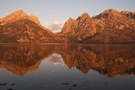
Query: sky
[54, 13]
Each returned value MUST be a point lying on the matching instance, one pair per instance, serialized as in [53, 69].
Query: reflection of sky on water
[50, 77]
[56, 59]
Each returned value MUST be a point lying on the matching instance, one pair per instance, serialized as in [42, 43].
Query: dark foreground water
[67, 67]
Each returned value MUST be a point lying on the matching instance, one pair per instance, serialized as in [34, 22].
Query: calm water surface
[67, 67]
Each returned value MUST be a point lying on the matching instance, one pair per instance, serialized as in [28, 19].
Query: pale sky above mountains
[53, 13]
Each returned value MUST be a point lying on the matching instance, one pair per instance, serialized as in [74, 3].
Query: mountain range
[110, 26]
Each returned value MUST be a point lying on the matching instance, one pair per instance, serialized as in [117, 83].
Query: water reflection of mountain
[22, 58]
[109, 60]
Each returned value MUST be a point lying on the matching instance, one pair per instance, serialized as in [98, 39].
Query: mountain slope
[24, 31]
[75, 30]
[117, 28]
[22, 28]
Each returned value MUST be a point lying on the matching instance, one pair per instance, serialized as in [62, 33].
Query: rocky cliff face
[111, 26]
[77, 30]
[23, 28]
[116, 28]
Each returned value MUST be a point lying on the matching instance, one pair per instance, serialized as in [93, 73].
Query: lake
[67, 66]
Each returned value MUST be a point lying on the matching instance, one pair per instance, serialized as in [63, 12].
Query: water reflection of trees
[109, 60]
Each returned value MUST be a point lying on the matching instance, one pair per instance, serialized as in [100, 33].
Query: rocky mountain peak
[107, 14]
[83, 19]
[73, 25]
[128, 14]
[125, 12]
[18, 12]
[12, 17]
[70, 23]
[18, 15]
[110, 26]
[21, 27]
[83, 16]
[70, 19]
[34, 18]
[112, 10]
